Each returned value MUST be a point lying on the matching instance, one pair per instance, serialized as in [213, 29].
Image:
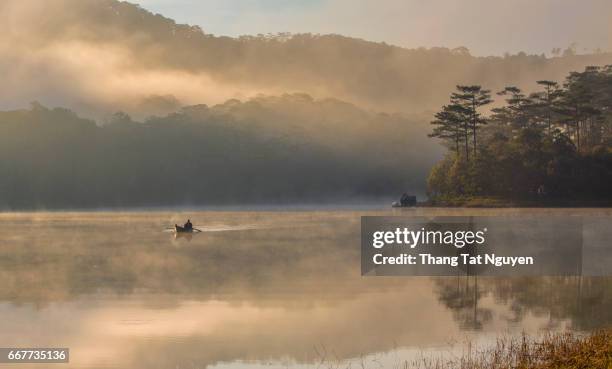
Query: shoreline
[552, 351]
[490, 202]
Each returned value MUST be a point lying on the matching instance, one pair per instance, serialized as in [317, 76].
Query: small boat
[406, 201]
[179, 229]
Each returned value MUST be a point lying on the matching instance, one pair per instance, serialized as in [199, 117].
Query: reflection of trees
[461, 295]
[585, 301]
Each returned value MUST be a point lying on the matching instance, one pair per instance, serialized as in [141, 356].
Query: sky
[485, 27]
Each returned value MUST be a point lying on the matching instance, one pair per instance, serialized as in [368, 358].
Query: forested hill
[267, 150]
[91, 49]
[551, 146]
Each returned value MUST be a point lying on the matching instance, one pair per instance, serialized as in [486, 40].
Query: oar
[199, 230]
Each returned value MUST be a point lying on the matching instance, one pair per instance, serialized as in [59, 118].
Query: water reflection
[254, 288]
[584, 302]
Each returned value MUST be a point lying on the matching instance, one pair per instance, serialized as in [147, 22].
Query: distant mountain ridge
[134, 54]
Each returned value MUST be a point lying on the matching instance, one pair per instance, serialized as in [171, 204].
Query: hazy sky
[486, 27]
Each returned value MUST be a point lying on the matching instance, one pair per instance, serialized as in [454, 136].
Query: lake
[273, 289]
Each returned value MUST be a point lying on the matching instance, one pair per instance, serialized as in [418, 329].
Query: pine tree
[547, 100]
[471, 98]
[576, 104]
[518, 111]
[449, 125]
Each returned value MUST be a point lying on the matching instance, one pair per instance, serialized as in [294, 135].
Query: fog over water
[256, 288]
[107, 105]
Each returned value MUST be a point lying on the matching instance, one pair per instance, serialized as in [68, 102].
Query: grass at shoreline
[553, 351]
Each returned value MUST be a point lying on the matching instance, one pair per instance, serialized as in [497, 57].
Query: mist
[52, 55]
[132, 106]
[289, 149]
[102, 56]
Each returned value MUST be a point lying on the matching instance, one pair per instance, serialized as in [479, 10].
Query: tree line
[266, 150]
[554, 143]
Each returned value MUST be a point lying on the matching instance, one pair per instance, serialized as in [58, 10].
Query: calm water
[256, 289]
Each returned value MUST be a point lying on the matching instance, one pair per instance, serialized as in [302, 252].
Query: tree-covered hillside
[105, 54]
[290, 148]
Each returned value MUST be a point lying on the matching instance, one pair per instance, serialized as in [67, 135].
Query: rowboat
[179, 229]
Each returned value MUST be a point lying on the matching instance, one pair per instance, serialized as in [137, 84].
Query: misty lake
[257, 289]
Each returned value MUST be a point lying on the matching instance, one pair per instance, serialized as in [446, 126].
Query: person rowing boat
[186, 228]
